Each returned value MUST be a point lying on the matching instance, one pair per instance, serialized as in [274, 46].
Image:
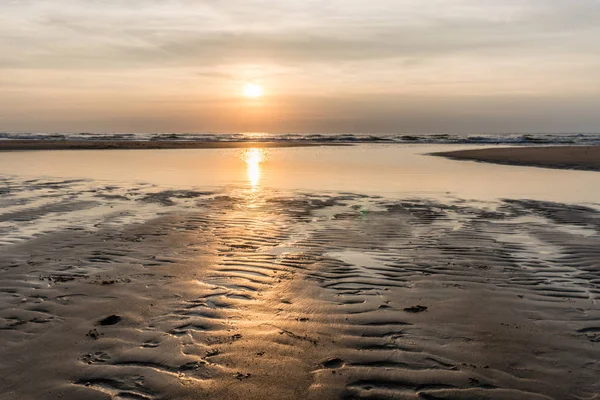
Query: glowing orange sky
[336, 66]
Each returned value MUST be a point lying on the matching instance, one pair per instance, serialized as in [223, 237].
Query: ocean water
[432, 138]
[391, 170]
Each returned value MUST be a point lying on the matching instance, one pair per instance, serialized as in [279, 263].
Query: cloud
[111, 35]
[337, 64]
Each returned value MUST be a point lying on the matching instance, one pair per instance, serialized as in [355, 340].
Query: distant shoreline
[585, 158]
[31, 145]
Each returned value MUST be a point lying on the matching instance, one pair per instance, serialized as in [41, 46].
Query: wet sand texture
[262, 296]
[564, 157]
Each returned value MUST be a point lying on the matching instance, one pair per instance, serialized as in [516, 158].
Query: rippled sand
[110, 292]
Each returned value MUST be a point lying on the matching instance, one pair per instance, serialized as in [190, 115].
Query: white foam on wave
[434, 138]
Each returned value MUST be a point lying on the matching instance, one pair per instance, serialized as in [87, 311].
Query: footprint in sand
[333, 363]
[110, 320]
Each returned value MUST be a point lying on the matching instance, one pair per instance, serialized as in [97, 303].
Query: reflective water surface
[374, 169]
[308, 273]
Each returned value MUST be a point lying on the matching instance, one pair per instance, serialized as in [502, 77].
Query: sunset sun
[352, 199]
[252, 91]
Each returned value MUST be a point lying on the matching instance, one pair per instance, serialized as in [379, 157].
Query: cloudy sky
[325, 66]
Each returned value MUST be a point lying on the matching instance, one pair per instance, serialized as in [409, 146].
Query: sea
[403, 138]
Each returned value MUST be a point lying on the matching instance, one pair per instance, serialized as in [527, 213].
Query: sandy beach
[30, 145]
[299, 200]
[565, 157]
[133, 291]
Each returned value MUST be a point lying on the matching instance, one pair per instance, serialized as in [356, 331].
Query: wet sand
[131, 292]
[20, 145]
[564, 157]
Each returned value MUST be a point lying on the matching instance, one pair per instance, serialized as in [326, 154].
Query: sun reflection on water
[253, 158]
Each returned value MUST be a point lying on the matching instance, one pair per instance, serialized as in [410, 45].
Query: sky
[376, 66]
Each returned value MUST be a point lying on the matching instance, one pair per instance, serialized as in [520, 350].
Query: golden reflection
[253, 158]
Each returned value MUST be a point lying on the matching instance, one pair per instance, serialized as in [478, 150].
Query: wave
[439, 138]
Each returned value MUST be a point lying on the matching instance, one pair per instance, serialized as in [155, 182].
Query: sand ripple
[142, 293]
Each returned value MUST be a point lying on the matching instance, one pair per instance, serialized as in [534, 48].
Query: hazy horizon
[342, 67]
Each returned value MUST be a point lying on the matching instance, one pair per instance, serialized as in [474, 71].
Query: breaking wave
[441, 138]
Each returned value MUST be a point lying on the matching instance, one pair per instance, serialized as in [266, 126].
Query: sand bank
[133, 292]
[20, 145]
[563, 157]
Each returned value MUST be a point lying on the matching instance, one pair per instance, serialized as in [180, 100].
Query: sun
[252, 91]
